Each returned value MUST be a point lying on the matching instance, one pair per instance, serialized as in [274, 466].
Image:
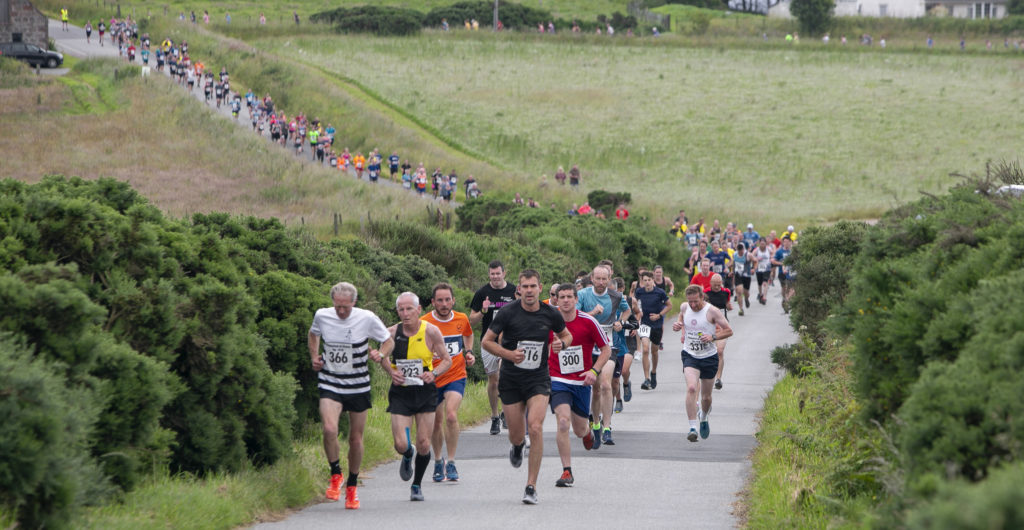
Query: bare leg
[356, 425]
[330, 411]
[535, 405]
[645, 359]
[452, 401]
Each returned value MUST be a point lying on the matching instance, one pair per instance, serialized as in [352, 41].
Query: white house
[906, 8]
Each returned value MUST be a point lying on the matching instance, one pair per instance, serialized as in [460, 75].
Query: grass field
[775, 135]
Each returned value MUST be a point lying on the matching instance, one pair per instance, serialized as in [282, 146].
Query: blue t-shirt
[692, 239]
[718, 260]
[653, 301]
[750, 239]
[780, 255]
[588, 300]
[393, 161]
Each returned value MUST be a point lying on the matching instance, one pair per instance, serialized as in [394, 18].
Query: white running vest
[696, 325]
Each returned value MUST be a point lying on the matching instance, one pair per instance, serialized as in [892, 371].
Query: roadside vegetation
[903, 393]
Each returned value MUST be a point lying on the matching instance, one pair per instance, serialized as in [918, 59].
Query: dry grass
[220, 167]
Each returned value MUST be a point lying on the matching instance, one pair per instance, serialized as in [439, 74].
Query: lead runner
[524, 384]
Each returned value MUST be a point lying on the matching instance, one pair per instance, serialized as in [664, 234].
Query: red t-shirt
[621, 213]
[577, 358]
[702, 280]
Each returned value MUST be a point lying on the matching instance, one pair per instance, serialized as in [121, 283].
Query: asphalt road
[651, 478]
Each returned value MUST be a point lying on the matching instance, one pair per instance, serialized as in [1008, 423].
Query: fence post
[336, 221]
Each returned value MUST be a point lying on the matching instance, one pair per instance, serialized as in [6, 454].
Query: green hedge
[380, 20]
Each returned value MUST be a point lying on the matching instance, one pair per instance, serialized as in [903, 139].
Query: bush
[607, 201]
[379, 20]
[824, 260]
[512, 15]
[996, 503]
[46, 473]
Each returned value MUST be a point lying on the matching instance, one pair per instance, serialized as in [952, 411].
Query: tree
[814, 15]
[1015, 7]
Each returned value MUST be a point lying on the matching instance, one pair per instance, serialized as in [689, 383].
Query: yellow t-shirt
[414, 347]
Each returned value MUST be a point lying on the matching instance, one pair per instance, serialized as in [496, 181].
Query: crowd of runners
[571, 353]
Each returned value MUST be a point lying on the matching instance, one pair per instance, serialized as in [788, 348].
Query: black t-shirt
[498, 297]
[719, 299]
[517, 325]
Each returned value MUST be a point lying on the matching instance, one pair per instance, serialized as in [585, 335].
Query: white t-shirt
[346, 348]
[696, 325]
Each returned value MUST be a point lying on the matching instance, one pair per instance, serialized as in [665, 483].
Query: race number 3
[532, 349]
[570, 360]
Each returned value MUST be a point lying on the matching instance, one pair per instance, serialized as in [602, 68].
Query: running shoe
[692, 436]
[654, 380]
[606, 438]
[741, 310]
[351, 498]
[646, 385]
[588, 440]
[515, 455]
[718, 384]
[504, 424]
[451, 473]
[527, 436]
[530, 495]
[705, 427]
[334, 489]
[627, 391]
[595, 428]
[618, 405]
[565, 481]
[405, 469]
[747, 300]
[439, 470]
[495, 425]
[415, 493]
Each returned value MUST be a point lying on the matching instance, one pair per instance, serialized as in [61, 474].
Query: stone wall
[27, 20]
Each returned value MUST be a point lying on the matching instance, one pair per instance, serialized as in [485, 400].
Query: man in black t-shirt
[720, 297]
[525, 383]
[487, 302]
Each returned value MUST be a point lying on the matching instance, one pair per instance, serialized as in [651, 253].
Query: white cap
[750, 225]
[790, 228]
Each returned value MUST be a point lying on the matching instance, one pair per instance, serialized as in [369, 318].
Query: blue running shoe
[451, 473]
[439, 470]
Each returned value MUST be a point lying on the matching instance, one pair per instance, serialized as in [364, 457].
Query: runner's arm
[436, 345]
[490, 345]
[467, 341]
[314, 352]
[475, 317]
[722, 328]
[671, 286]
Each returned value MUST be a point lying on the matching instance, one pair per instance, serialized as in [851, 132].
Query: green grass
[814, 463]
[773, 135]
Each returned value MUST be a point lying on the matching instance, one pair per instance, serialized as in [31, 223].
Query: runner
[413, 394]
[573, 374]
[359, 161]
[742, 265]
[719, 259]
[721, 298]
[458, 340]
[702, 324]
[784, 273]
[606, 306]
[663, 282]
[703, 276]
[64, 18]
[393, 161]
[314, 140]
[344, 378]
[101, 28]
[88, 31]
[653, 303]
[486, 303]
[525, 384]
[762, 264]
[624, 344]
[750, 237]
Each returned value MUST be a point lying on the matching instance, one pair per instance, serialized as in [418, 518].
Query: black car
[31, 54]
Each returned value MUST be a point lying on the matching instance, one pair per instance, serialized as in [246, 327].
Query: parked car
[31, 54]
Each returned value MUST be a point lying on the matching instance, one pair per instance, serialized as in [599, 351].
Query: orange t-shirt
[359, 161]
[453, 332]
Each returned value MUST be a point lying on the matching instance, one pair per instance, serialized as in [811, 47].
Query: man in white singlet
[702, 324]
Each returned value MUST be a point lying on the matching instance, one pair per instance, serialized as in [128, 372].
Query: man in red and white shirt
[572, 375]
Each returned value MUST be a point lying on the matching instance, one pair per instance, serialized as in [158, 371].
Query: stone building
[20, 21]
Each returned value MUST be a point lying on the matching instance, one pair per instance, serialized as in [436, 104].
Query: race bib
[453, 345]
[762, 266]
[607, 329]
[717, 268]
[694, 344]
[532, 349]
[644, 331]
[338, 357]
[570, 360]
[411, 369]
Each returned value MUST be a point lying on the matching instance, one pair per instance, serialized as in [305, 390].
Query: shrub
[379, 20]
[824, 259]
[512, 15]
[607, 200]
[814, 15]
[46, 472]
[996, 503]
